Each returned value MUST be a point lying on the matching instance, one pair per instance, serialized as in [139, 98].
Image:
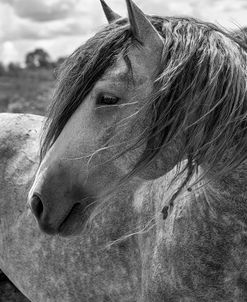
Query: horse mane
[241, 34]
[200, 91]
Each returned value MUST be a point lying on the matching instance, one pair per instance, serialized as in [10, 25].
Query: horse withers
[141, 175]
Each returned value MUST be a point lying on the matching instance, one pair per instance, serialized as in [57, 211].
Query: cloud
[42, 11]
[60, 25]
[22, 32]
[30, 31]
[7, 1]
[15, 27]
[8, 52]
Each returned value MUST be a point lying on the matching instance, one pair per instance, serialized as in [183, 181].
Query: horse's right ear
[111, 16]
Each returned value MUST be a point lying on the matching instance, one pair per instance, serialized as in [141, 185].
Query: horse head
[135, 100]
[100, 142]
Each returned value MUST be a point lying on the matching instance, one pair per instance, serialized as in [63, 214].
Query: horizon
[60, 26]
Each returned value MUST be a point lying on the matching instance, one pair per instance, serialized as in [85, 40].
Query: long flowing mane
[200, 91]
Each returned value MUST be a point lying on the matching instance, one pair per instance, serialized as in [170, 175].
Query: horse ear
[142, 28]
[111, 16]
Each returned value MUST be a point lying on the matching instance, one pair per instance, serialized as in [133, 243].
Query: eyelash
[107, 100]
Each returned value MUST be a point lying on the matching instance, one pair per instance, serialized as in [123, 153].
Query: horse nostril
[36, 206]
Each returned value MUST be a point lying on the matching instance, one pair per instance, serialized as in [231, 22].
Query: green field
[27, 92]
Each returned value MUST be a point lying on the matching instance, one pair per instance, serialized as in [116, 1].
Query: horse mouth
[75, 222]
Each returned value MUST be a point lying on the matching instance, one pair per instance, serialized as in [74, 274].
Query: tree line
[34, 60]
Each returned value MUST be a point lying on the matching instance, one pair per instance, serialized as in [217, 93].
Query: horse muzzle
[59, 202]
[71, 222]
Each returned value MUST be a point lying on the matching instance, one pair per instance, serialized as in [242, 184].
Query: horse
[137, 177]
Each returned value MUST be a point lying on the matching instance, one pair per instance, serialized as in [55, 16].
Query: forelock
[80, 72]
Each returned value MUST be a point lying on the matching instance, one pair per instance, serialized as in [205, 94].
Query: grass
[28, 91]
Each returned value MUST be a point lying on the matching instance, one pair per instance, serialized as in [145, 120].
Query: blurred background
[37, 35]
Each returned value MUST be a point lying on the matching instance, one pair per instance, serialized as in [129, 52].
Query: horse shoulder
[15, 130]
[19, 135]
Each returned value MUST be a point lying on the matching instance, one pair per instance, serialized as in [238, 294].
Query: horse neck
[227, 193]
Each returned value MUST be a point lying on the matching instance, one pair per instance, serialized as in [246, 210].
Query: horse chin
[75, 222]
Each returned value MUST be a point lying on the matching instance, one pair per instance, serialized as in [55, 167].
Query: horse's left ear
[111, 16]
[142, 28]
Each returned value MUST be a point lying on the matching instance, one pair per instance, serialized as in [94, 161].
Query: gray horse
[138, 173]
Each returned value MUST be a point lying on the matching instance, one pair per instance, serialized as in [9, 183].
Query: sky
[60, 26]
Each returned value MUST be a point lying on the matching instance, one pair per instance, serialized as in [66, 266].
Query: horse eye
[107, 100]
